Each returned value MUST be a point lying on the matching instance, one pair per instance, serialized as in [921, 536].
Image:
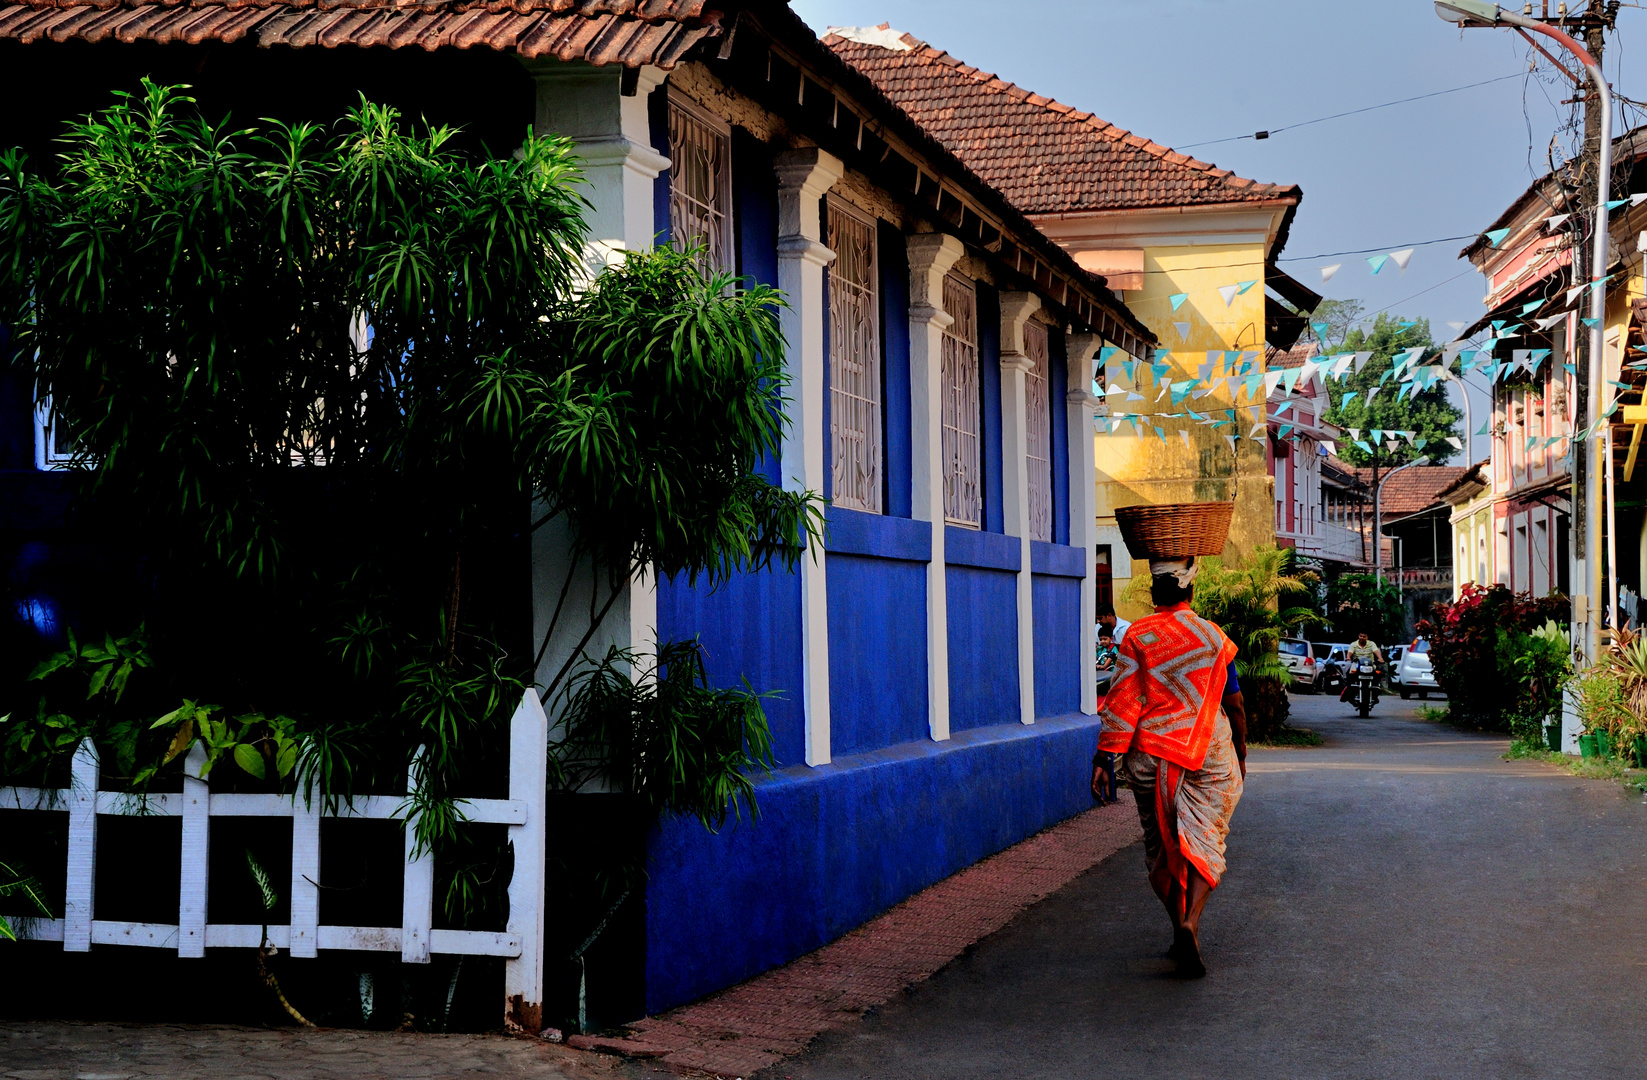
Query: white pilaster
[803, 178]
[613, 140]
[930, 257]
[1080, 349]
[1016, 308]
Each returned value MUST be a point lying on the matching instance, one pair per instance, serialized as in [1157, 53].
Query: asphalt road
[1400, 903]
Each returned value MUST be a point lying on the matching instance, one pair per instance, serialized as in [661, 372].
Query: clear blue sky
[1184, 71]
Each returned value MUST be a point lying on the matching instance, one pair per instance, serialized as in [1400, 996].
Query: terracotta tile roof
[627, 32]
[1414, 489]
[1290, 358]
[1044, 155]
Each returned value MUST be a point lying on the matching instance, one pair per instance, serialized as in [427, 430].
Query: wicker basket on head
[1175, 530]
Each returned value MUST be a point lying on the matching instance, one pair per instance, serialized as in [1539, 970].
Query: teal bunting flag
[1377, 262]
[1528, 309]
[1572, 369]
[1320, 329]
[1282, 434]
[1162, 356]
[1498, 324]
[1362, 443]
[1344, 402]
[1419, 444]
[1591, 322]
[1242, 286]
[1486, 426]
[1178, 300]
[1159, 369]
[1496, 237]
[1386, 377]
[1106, 352]
[1129, 366]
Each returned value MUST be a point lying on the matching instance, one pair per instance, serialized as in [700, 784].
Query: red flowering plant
[1489, 659]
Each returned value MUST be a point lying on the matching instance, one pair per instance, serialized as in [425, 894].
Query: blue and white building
[934, 659]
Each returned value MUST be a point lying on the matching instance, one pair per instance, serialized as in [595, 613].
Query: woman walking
[1174, 716]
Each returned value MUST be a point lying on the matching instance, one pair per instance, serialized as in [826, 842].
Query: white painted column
[930, 257]
[1079, 402]
[613, 140]
[80, 886]
[196, 856]
[1016, 308]
[803, 178]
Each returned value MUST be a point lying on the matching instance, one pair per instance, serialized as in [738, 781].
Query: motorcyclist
[1362, 652]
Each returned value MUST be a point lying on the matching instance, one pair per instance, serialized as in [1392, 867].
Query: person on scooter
[1362, 652]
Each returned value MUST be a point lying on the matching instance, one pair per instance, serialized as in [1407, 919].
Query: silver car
[1299, 659]
[1417, 676]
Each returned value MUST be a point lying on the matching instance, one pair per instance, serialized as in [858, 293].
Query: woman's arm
[1235, 707]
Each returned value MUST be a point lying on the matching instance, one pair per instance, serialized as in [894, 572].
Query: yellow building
[1190, 247]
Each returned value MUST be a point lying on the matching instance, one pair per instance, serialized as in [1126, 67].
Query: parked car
[1298, 658]
[1392, 664]
[1417, 676]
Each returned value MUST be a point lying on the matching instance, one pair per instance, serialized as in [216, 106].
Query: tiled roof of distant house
[1047, 157]
[1293, 357]
[627, 32]
[1412, 490]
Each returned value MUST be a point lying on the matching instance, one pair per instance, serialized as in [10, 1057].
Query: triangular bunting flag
[1349, 396]
[1377, 262]
[1178, 299]
[1242, 287]
[1496, 237]
[1457, 443]
[1183, 329]
[1328, 271]
[1402, 258]
[1365, 449]
[1228, 292]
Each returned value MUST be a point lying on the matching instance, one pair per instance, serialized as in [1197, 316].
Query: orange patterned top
[1169, 678]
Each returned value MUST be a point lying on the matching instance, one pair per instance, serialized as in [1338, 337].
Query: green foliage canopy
[1427, 412]
[325, 383]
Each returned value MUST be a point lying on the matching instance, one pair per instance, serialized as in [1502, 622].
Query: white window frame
[1038, 429]
[47, 458]
[687, 117]
[856, 431]
[962, 408]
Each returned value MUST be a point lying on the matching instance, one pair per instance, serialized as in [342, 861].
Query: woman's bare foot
[1186, 950]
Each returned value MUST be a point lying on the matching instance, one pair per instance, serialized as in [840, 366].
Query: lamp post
[1378, 518]
[1465, 12]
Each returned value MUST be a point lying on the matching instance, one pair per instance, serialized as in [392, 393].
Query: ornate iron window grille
[1038, 428]
[854, 363]
[963, 502]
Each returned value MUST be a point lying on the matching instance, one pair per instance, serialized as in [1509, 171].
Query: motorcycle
[1363, 691]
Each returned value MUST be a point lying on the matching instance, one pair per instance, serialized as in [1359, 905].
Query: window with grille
[1038, 428]
[53, 448]
[700, 184]
[854, 363]
[963, 502]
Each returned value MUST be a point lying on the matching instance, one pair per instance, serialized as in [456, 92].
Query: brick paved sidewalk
[60, 1050]
[751, 1026]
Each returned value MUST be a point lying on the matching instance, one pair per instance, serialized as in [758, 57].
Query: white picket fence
[521, 943]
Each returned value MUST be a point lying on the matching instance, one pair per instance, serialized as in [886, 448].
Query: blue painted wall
[1058, 386]
[1059, 649]
[983, 627]
[755, 226]
[657, 123]
[989, 387]
[751, 626]
[877, 631]
[837, 845]
[898, 471]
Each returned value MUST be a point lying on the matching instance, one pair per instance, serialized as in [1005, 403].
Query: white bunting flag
[1545, 324]
[1183, 329]
[1229, 293]
[1256, 428]
[1361, 359]
[1457, 443]
[1402, 258]
[1271, 380]
[1328, 271]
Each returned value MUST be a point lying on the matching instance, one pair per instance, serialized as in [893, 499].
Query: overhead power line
[1353, 112]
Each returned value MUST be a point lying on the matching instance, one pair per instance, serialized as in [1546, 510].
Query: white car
[1417, 677]
[1299, 659]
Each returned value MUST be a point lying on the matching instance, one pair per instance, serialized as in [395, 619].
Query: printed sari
[1163, 713]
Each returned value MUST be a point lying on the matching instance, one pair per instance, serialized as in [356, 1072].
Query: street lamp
[1468, 12]
[1378, 514]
